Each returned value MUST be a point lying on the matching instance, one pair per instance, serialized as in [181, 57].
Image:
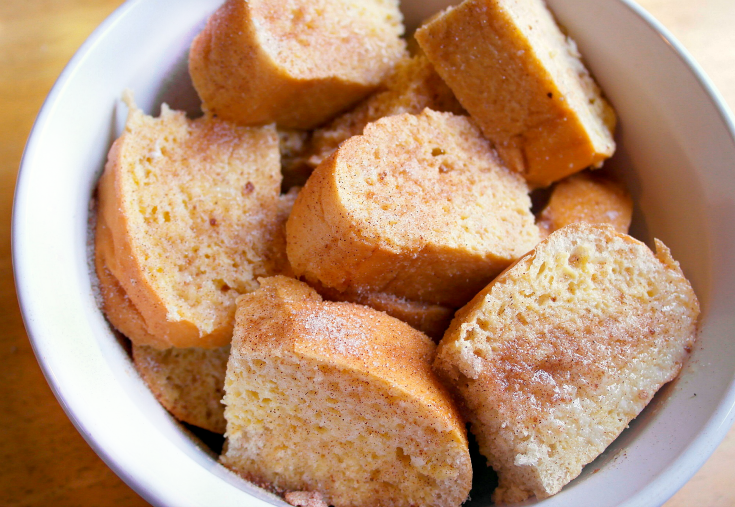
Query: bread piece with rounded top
[295, 62]
[413, 87]
[524, 83]
[417, 207]
[559, 353]
[587, 197]
[187, 215]
[339, 399]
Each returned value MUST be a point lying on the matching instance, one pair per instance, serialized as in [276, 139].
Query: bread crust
[587, 197]
[297, 63]
[417, 207]
[381, 367]
[524, 83]
[558, 354]
[143, 251]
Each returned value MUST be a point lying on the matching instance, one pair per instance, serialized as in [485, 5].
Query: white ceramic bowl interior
[676, 151]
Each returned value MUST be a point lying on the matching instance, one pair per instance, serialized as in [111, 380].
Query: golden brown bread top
[116, 305]
[286, 316]
[186, 219]
[418, 207]
[297, 63]
[562, 350]
[524, 83]
[339, 398]
[587, 197]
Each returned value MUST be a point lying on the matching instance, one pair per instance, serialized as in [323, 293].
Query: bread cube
[558, 354]
[524, 83]
[297, 63]
[188, 217]
[587, 197]
[339, 399]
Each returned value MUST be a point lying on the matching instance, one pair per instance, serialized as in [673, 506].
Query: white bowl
[676, 150]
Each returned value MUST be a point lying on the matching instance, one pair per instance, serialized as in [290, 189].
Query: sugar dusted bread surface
[295, 62]
[413, 86]
[559, 353]
[524, 83]
[187, 216]
[339, 399]
[188, 382]
[432, 320]
[587, 197]
[417, 207]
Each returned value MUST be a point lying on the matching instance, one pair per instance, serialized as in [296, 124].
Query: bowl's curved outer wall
[676, 150]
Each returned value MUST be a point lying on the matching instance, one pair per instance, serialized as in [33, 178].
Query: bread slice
[413, 87]
[432, 320]
[187, 215]
[339, 399]
[559, 353]
[417, 207]
[296, 63]
[189, 382]
[524, 83]
[587, 197]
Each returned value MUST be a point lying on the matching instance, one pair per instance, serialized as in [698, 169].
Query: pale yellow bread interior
[559, 353]
[187, 215]
[418, 206]
[523, 81]
[294, 62]
[339, 399]
[587, 197]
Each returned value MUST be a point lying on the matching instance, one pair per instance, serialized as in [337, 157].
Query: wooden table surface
[43, 460]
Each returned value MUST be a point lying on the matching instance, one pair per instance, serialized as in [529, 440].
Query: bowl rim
[673, 476]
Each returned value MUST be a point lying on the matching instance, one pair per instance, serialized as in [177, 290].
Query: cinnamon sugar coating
[559, 353]
[340, 399]
[188, 216]
[295, 62]
[587, 197]
[418, 207]
[524, 83]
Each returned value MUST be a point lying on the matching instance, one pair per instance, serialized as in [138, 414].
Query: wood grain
[43, 459]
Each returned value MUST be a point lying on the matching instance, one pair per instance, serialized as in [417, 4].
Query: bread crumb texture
[189, 382]
[524, 82]
[413, 86]
[294, 62]
[558, 354]
[339, 398]
[432, 320]
[418, 207]
[305, 499]
[187, 219]
[587, 197]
